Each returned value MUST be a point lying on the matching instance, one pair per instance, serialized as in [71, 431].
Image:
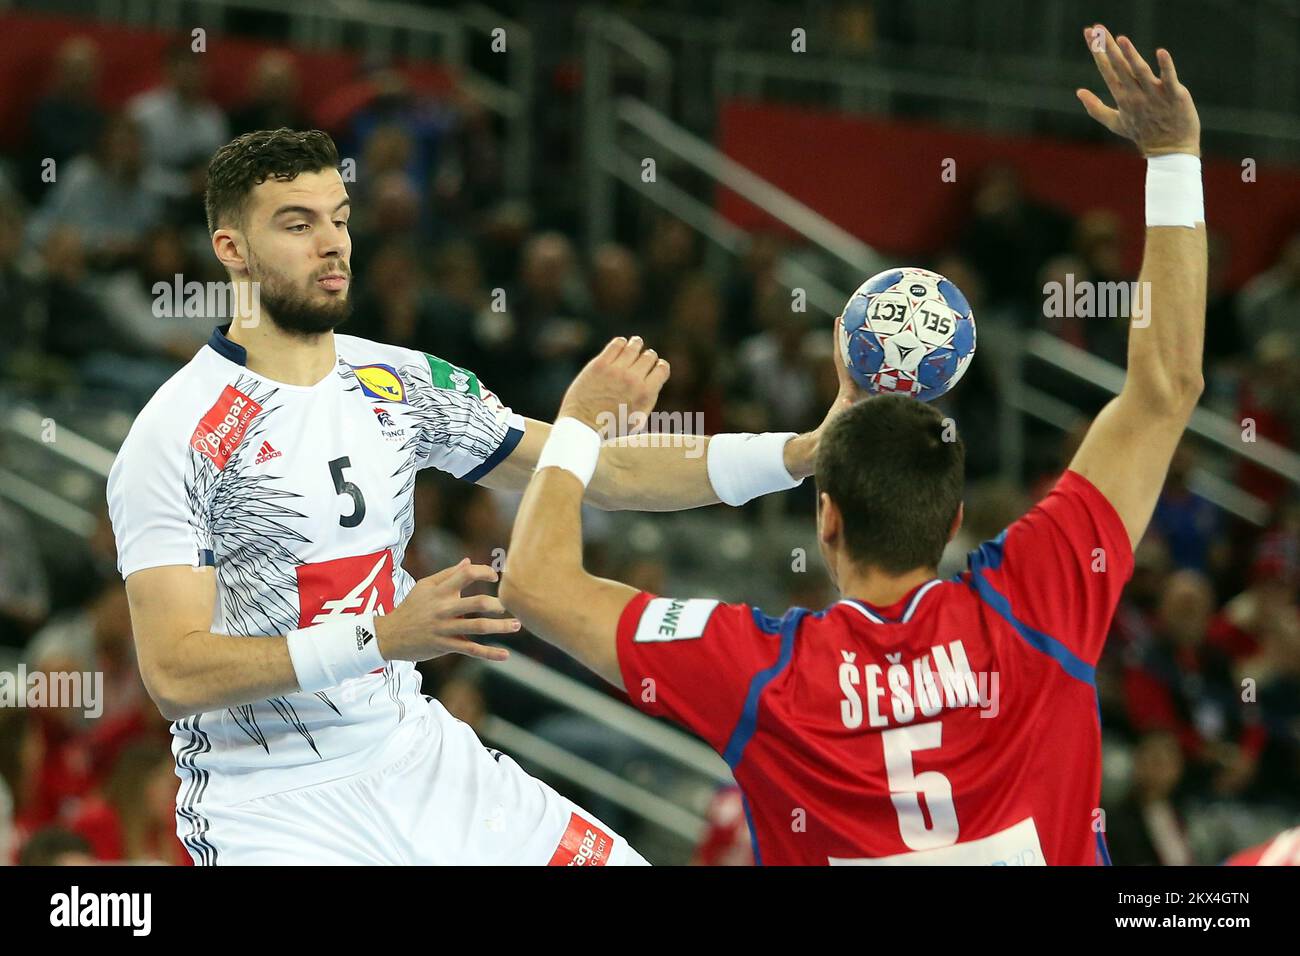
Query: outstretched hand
[1155, 112]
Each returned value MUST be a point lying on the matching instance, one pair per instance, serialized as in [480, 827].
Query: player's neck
[879, 589]
[284, 357]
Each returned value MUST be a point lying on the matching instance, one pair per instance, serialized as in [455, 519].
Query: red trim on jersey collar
[900, 612]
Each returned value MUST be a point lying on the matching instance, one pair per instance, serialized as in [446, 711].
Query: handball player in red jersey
[915, 720]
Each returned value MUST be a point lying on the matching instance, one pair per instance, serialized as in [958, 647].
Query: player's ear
[956, 522]
[228, 246]
[828, 518]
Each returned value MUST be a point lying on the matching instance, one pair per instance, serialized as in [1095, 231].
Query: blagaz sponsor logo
[222, 428]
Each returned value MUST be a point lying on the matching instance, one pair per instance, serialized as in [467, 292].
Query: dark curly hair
[897, 475]
[252, 159]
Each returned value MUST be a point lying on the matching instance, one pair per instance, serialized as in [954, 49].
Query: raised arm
[1127, 451]
[674, 472]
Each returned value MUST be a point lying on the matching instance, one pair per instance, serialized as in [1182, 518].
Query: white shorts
[437, 796]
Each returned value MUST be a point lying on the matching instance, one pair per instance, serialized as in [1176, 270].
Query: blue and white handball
[907, 331]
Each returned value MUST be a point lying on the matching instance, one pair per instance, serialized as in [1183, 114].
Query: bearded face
[306, 308]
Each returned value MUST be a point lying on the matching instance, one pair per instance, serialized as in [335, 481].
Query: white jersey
[301, 497]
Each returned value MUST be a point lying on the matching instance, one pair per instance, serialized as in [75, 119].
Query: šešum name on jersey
[904, 690]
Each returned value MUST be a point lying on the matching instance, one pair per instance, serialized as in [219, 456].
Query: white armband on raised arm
[325, 655]
[1174, 193]
[573, 446]
[742, 466]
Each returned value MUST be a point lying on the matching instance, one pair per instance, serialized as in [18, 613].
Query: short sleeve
[468, 429]
[693, 660]
[153, 507]
[1057, 573]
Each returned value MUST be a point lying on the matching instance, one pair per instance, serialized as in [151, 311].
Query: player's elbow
[167, 691]
[518, 592]
[1176, 395]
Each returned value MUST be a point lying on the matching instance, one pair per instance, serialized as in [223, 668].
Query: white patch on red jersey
[356, 585]
[222, 428]
[1017, 845]
[583, 844]
[668, 619]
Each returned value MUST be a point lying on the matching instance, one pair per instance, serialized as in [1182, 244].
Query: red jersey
[958, 726]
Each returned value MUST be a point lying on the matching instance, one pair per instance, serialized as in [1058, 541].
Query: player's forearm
[205, 671]
[1166, 340]
[666, 472]
[544, 559]
[652, 473]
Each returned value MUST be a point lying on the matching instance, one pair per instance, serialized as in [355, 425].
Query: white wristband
[325, 655]
[573, 446]
[1174, 193]
[742, 466]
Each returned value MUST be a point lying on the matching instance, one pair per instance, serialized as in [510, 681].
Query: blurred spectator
[272, 101]
[1148, 827]
[181, 127]
[1269, 601]
[774, 366]
[548, 308]
[1177, 682]
[617, 305]
[66, 122]
[104, 196]
[1008, 236]
[1270, 302]
[1269, 407]
[1191, 527]
[130, 303]
[24, 590]
[726, 840]
[671, 251]
[132, 817]
[19, 298]
[751, 283]
[397, 305]
[1277, 671]
[74, 325]
[55, 846]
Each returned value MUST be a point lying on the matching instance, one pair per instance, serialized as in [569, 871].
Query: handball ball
[907, 331]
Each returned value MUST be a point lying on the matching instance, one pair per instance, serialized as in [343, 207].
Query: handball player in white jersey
[262, 505]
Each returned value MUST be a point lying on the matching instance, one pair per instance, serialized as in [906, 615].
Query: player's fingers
[1098, 110]
[445, 573]
[483, 625]
[658, 375]
[645, 362]
[476, 604]
[1099, 43]
[463, 575]
[630, 352]
[1115, 57]
[484, 652]
[1168, 75]
[611, 351]
[1137, 65]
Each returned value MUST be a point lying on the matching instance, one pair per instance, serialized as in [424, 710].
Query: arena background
[530, 179]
